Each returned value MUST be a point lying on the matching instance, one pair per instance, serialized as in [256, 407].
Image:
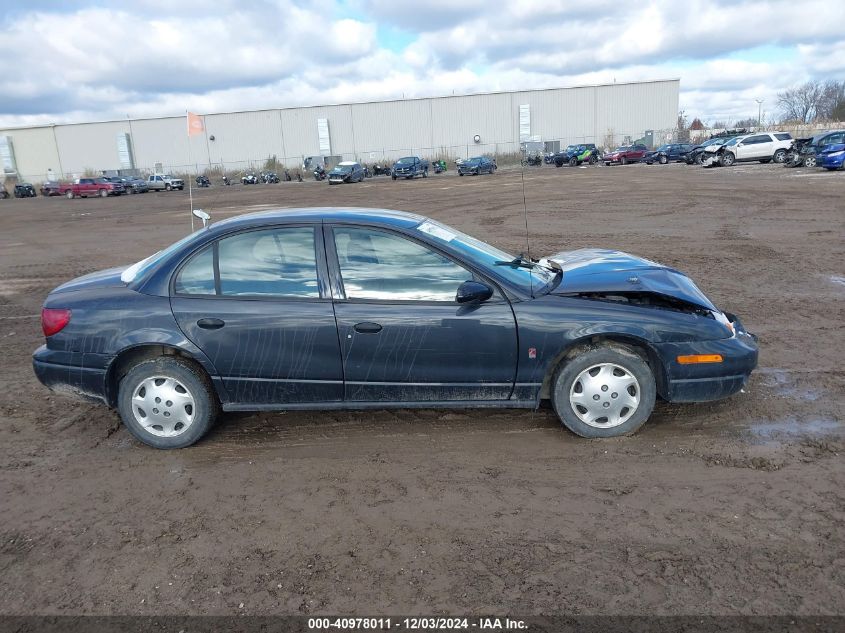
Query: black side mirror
[473, 292]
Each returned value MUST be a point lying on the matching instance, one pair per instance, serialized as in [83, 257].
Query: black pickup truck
[409, 167]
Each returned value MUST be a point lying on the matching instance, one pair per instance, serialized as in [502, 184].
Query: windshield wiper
[520, 261]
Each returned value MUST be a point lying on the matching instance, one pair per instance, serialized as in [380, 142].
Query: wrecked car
[363, 308]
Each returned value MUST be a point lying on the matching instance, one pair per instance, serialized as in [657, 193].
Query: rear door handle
[211, 324]
[367, 327]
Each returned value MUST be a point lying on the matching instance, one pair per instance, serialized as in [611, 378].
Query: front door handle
[367, 327]
[211, 324]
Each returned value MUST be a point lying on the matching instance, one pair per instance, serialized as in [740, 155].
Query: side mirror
[202, 215]
[473, 292]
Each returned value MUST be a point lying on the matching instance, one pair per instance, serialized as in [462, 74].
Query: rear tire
[185, 396]
[623, 161]
[69, 195]
[579, 380]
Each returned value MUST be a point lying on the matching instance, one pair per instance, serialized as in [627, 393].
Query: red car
[626, 154]
[85, 187]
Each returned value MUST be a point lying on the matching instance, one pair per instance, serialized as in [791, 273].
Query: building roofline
[129, 120]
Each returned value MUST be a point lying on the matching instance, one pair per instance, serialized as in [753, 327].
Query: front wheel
[167, 187]
[727, 159]
[425, 173]
[103, 193]
[604, 392]
[167, 402]
[663, 160]
[623, 161]
[810, 161]
[69, 195]
[779, 156]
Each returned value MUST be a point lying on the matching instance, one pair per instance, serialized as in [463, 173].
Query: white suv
[763, 146]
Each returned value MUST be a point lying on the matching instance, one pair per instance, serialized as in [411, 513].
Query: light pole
[759, 112]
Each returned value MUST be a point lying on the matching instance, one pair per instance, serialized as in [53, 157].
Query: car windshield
[472, 161]
[624, 148]
[533, 278]
[570, 148]
[343, 169]
[405, 161]
[663, 148]
[732, 141]
[139, 269]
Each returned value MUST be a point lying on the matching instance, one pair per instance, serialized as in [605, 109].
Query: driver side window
[377, 265]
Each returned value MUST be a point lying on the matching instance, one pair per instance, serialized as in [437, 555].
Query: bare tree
[801, 104]
[719, 125]
[831, 105]
[746, 123]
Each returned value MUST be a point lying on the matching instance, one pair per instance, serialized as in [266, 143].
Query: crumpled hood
[600, 270]
[101, 278]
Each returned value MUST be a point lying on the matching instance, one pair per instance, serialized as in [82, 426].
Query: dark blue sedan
[359, 308]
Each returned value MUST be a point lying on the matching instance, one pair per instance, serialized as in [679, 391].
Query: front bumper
[53, 370]
[832, 162]
[709, 158]
[709, 381]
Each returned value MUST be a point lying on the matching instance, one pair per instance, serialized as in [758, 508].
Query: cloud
[93, 60]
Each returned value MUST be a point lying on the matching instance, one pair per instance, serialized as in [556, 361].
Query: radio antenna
[525, 213]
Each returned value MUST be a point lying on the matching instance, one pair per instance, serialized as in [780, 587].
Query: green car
[575, 155]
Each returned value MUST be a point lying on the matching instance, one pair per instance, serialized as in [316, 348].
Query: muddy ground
[736, 507]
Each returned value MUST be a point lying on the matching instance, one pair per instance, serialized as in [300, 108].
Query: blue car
[356, 308]
[832, 156]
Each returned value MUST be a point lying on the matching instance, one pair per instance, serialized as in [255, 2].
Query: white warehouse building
[447, 127]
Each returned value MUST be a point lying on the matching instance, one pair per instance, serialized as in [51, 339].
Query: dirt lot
[734, 507]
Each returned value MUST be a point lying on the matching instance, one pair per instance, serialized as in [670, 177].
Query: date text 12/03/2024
[417, 624]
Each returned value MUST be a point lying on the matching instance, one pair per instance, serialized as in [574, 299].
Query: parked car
[409, 167]
[363, 308]
[477, 165]
[51, 188]
[133, 184]
[696, 154]
[24, 190]
[575, 155]
[88, 187]
[799, 151]
[626, 154]
[668, 153]
[764, 147]
[832, 156]
[818, 144]
[164, 182]
[249, 179]
[348, 171]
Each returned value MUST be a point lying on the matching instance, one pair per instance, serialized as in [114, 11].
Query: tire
[810, 161]
[699, 159]
[779, 156]
[593, 160]
[393, 177]
[663, 160]
[103, 193]
[425, 173]
[727, 159]
[167, 187]
[69, 195]
[623, 161]
[573, 162]
[461, 174]
[196, 416]
[618, 365]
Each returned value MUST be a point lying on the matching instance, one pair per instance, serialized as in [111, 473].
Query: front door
[403, 336]
[253, 302]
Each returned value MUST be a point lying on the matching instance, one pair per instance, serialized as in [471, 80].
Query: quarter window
[197, 276]
[276, 262]
[783, 136]
[382, 266]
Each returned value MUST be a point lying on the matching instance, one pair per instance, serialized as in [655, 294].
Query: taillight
[53, 320]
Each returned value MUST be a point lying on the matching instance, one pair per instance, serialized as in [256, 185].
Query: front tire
[69, 195]
[779, 156]
[604, 392]
[663, 160]
[727, 159]
[623, 161]
[810, 161]
[167, 187]
[167, 402]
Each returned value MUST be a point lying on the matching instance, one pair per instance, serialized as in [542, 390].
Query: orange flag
[195, 124]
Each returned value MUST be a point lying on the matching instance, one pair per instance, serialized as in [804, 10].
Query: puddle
[838, 280]
[784, 384]
[794, 428]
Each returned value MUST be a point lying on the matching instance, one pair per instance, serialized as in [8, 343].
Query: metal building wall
[432, 127]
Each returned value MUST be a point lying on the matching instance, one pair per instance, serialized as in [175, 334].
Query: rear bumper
[88, 383]
[709, 381]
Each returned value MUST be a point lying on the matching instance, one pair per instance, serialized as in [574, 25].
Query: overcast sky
[70, 60]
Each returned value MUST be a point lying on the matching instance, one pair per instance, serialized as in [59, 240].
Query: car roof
[347, 162]
[328, 214]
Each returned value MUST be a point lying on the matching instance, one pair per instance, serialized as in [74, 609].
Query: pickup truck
[85, 187]
[409, 167]
[166, 182]
[626, 154]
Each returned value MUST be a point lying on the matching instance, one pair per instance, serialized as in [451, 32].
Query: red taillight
[53, 320]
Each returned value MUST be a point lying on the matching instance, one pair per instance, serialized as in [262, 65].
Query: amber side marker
[699, 358]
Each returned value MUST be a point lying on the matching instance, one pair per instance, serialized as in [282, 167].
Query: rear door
[403, 336]
[754, 147]
[258, 305]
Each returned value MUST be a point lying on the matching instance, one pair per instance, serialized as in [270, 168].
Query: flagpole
[190, 189]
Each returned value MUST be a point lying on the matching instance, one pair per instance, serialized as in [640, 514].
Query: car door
[753, 147]
[403, 337]
[257, 304]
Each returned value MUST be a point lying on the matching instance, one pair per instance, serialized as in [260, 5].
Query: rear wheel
[604, 392]
[69, 195]
[573, 162]
[167, 402]
[623, 161]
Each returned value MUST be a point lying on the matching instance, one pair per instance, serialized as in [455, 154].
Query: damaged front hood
[592, 270]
